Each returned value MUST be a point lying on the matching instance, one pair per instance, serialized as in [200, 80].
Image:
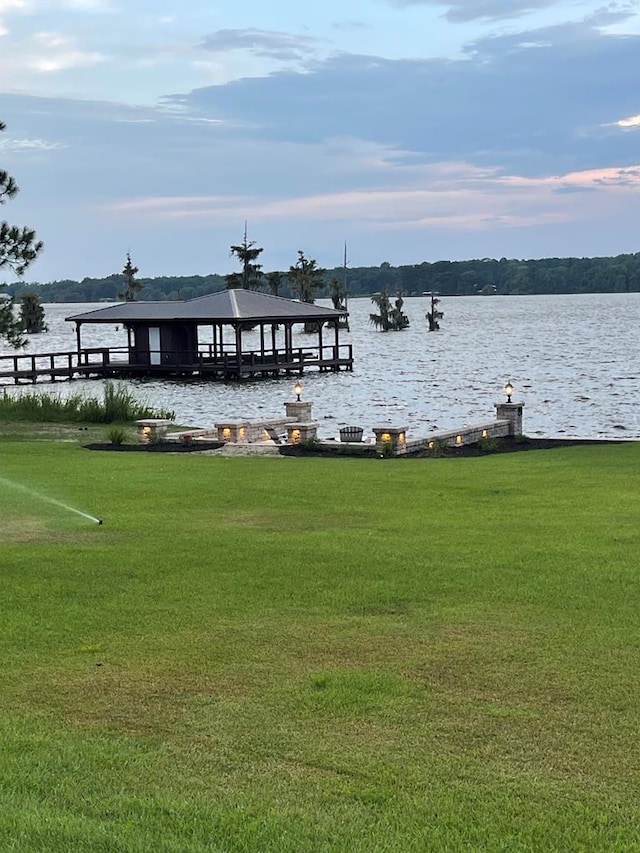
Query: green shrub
[438, 449]
[310, 443]
[490, 444]
[521, 439]
[156, 437]
[117, 435]
[117, 405]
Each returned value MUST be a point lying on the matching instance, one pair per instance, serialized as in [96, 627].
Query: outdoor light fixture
[297, 390]
[508, 390]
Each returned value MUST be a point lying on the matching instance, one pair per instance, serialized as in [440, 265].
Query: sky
[412, 130]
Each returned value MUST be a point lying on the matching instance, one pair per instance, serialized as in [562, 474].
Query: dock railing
[29, 366]
[112, 361]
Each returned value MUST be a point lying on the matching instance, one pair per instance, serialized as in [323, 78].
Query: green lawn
[299, 655]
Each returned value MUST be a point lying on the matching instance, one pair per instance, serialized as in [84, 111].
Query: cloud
[284, 47]
[7, 6]
[533, 102]
[88, 5]
[56, 52]
[631, 121]
[614, 13]
[29, 145]
[444, 194]
[348, 26]
[519, 146]
[32, 7]
[465, 11]
[462, 11]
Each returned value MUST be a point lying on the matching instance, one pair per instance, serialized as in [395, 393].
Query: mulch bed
[509, 444]
[159, 447]
[503, 445]
[364, 451]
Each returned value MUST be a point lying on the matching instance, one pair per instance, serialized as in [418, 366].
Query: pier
[207, 363]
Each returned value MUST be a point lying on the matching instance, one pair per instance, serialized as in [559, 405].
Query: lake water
[574, 361]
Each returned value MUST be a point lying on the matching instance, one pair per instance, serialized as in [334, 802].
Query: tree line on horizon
[617, 274]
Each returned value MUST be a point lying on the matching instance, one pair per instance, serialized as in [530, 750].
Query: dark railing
[104, 356]
[207, 361]
[29, 366]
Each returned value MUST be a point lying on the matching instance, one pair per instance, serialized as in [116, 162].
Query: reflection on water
[574, 361]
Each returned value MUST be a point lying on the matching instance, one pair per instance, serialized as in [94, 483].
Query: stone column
[511, 412]
[234, 432]
[299, 432]
[298, 409]
[150, 430]
[393, 437]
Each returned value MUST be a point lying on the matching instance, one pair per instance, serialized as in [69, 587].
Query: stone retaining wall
[466, 435]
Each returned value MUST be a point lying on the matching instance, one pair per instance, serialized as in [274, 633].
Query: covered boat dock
[206, 337]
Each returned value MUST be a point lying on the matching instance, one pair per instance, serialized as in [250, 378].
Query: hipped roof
[226, 306]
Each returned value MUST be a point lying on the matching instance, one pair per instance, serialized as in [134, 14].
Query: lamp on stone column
[508, 390]
[297, 390]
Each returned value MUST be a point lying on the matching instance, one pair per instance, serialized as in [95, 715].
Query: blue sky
[416, 130]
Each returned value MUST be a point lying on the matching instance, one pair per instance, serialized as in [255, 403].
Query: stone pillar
[150, 430]
[232, 431]
[298, 409]
[511, 412]
[299, 432]
[391, 437]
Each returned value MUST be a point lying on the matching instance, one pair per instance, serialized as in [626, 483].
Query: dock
[116, 362]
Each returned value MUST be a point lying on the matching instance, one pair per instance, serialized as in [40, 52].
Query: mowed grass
[319, 655]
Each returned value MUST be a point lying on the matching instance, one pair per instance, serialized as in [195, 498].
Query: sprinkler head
[99, 521]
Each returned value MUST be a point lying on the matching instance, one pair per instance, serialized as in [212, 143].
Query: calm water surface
[574, 361]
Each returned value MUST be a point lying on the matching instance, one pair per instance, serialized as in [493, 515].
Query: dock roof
[225, 306]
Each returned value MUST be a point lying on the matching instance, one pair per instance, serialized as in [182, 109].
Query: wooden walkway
[113, 362]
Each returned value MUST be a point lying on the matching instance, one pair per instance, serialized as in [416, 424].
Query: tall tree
[338, 289]
[305, 278]
[383, 304]
[274, 282]
[18, 249]
[32, 314]
[338, 293]
[251, 276]
[131, 285]
[10, 325]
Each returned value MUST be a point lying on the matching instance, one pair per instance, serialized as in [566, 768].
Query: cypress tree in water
[131, 284]
[391, 318]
